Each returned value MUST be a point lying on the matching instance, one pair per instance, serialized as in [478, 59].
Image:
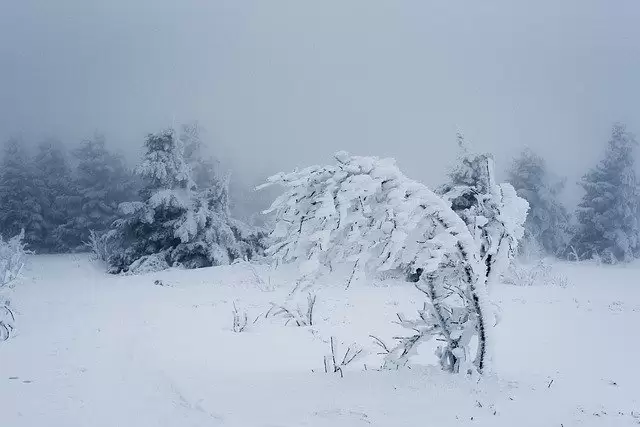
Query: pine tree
[103, 181]
[56, 191]
[20, 207]
[205, 169]
[609, 213]
[174, 223]
[547, 224]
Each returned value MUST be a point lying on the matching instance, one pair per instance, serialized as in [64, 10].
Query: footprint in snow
[24, 381]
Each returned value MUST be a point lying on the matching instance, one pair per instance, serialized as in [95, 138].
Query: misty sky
[285, 83]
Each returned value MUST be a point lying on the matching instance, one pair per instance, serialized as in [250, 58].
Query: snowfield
[159, 350]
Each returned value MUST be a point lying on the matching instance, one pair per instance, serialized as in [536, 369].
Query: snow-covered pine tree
[363, 210]
[494, 213]
[548, 222]
[103, 181]
[609, 213]
[56, 191]
[174, 223]
[20, 207]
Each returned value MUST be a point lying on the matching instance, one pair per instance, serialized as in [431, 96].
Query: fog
[284, 83]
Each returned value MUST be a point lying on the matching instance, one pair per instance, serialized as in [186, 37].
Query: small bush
[12, 255]
[540, 273]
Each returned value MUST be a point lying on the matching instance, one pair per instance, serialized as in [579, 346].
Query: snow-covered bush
[98, 246]
[363, 210]
[175, 223]
[12, 255]
[536, 273]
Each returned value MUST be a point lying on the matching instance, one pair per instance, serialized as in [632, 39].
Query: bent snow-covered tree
[365, 211]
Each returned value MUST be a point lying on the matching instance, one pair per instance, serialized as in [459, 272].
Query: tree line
[172, 208]
[58, 197]
[89, 198]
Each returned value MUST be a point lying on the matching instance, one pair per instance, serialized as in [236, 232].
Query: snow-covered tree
[175, 223]
[494, 213]
[363, 210]
[103, 181]
[20, 207]
[205, 169]
[609, 213]
[56, 194]
[548, 222]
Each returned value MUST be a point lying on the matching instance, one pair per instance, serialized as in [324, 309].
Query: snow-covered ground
[100, 350]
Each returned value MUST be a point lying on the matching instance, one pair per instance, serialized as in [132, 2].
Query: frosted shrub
[540, 273]
[12, 255]
[148, 264]
[99, 246]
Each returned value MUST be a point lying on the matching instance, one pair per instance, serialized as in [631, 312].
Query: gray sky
[283, 83]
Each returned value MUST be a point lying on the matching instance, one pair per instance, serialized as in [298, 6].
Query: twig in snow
[331, 361]
[381, 344]
[302, 317]
[239, 320]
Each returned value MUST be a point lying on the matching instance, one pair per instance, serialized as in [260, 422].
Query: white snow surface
[99, 350]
